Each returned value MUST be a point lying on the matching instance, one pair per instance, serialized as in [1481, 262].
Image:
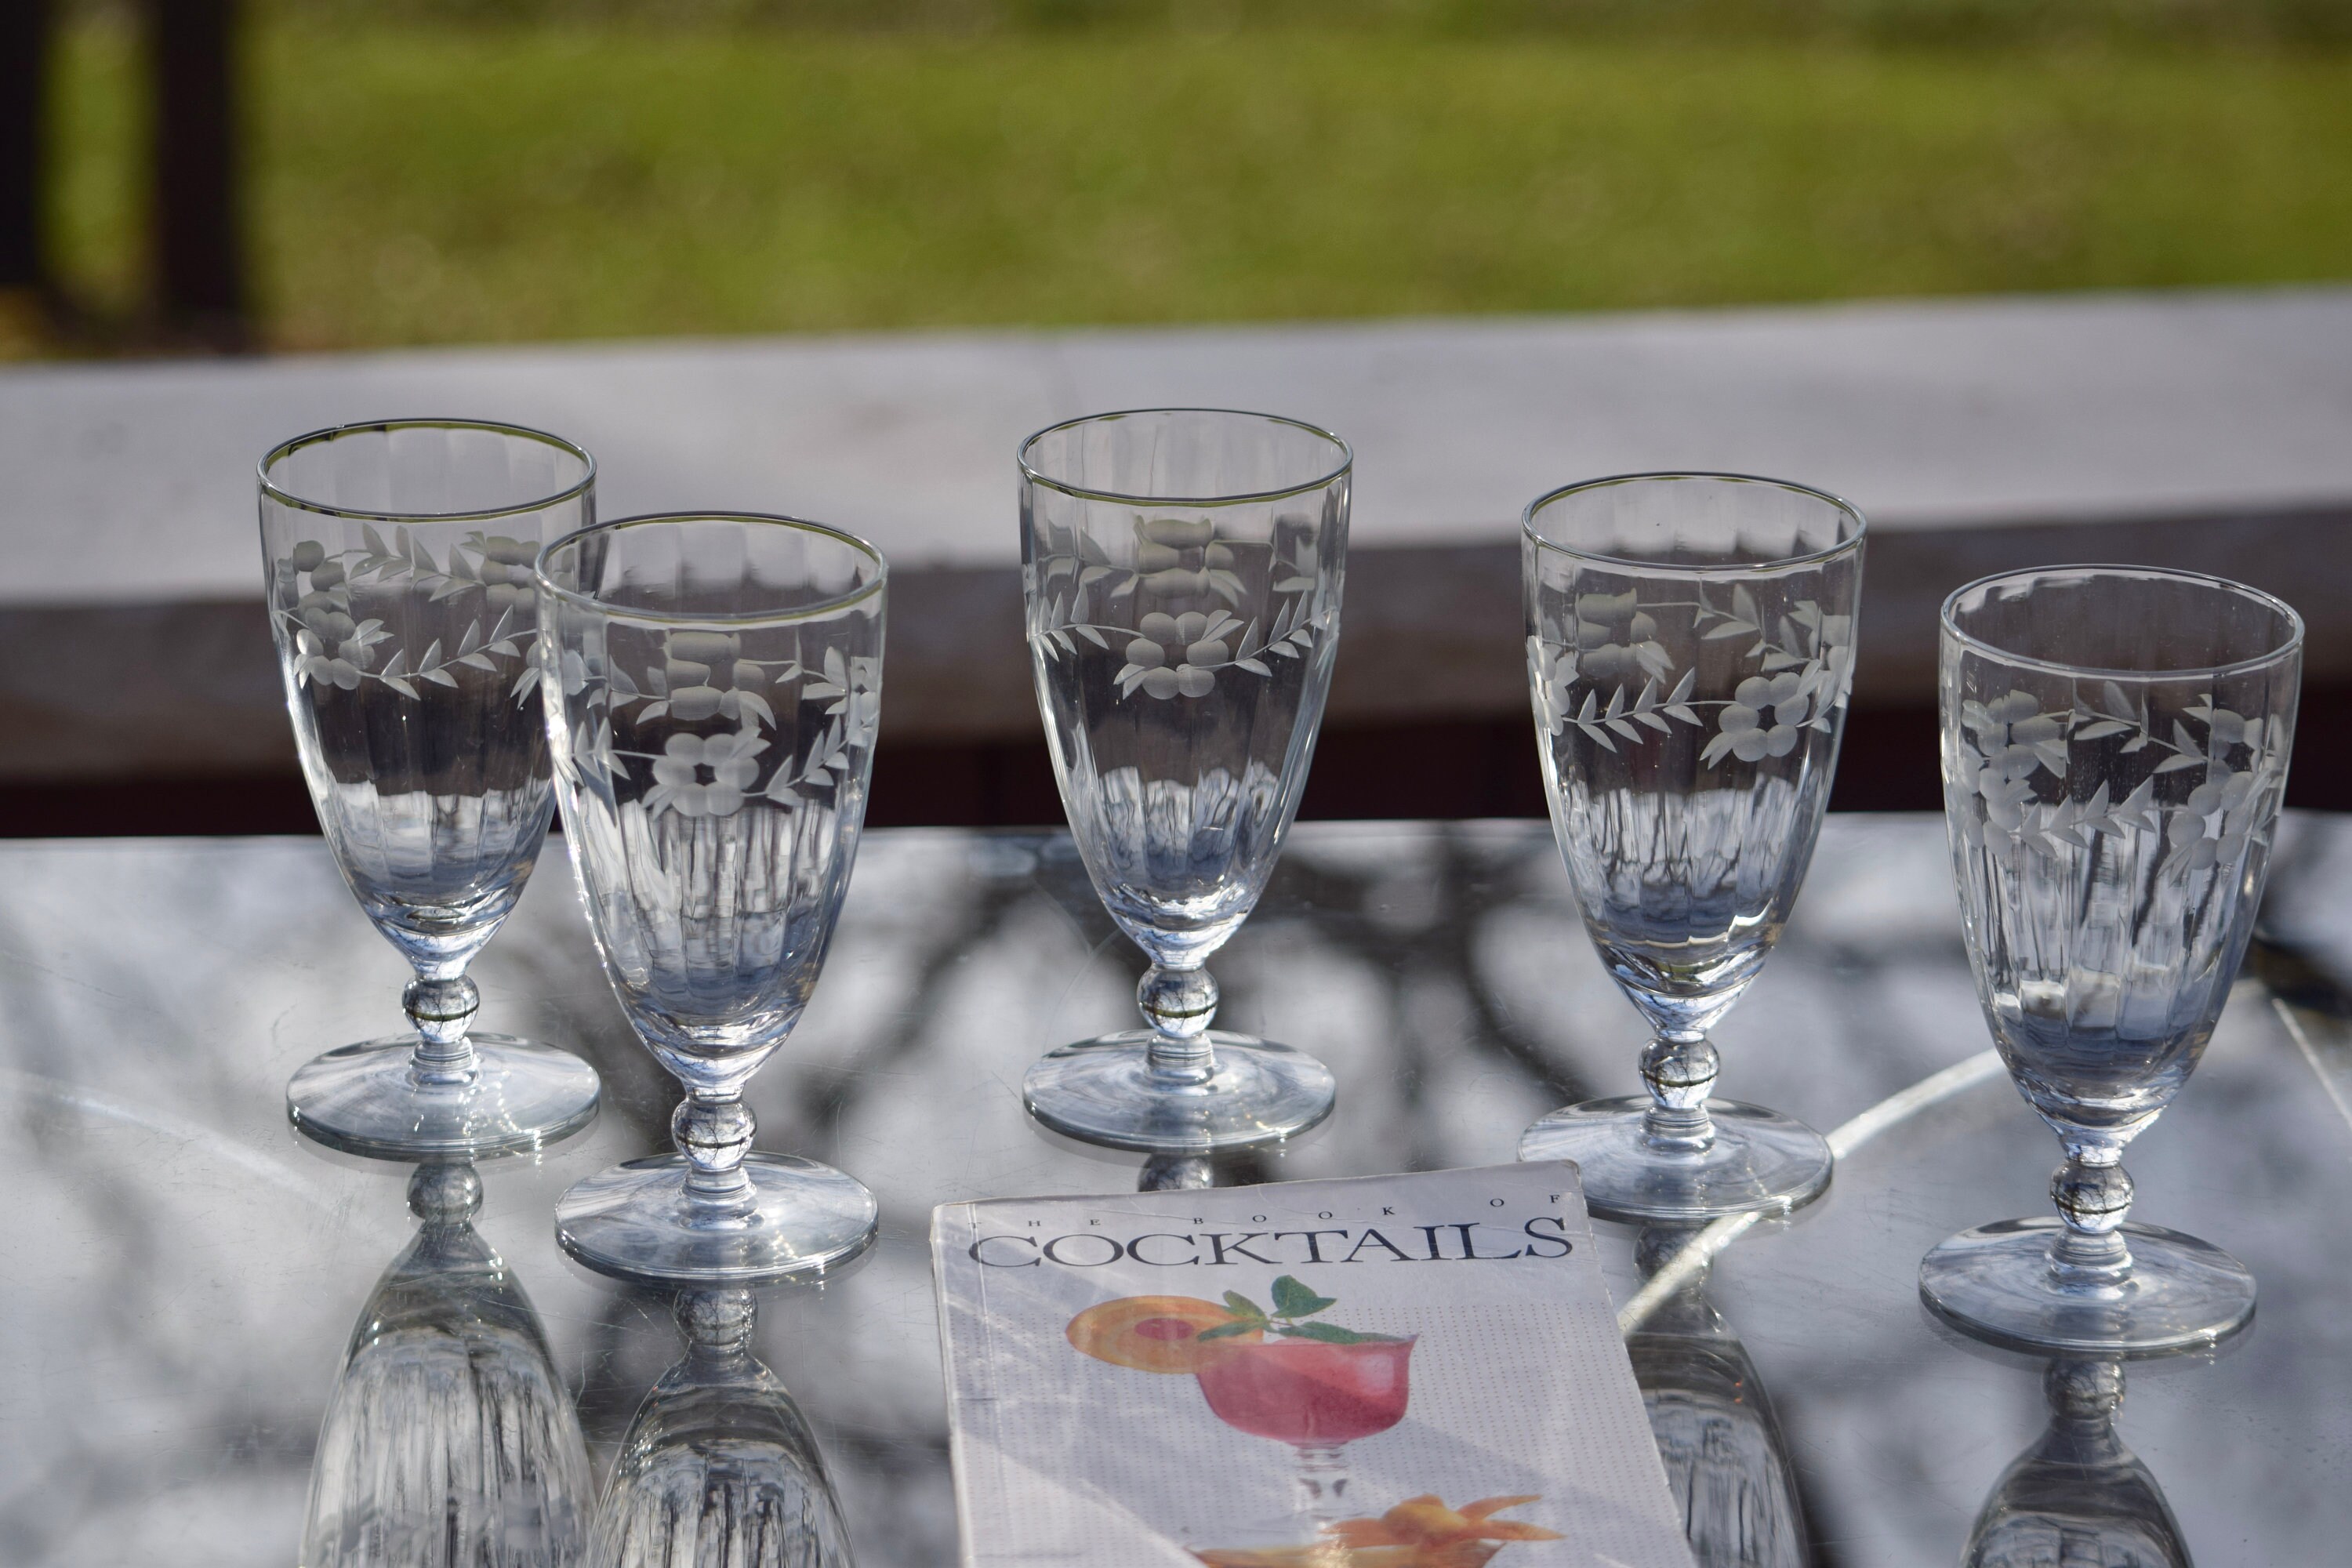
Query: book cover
[1390, 1372]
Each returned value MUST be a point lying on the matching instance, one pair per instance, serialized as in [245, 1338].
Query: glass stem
[440, 1007]
[444, 1192]
[1323, 1484]
[2094, 1194]
[1179, 1004]
[714, 1132]
[1177, 1174]
[1679, 1071]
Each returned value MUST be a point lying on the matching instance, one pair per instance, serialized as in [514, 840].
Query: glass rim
[2289, 649]
[714, 617]
[1705, 569]
[1085, 492]
[272, 490]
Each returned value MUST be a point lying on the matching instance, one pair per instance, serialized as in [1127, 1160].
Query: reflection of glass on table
[184, 1272]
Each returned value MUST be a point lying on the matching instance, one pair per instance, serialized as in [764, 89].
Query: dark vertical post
[25, 67]
[200, 281]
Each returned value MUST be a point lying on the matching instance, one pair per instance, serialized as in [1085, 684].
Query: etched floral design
[1763, 718]
[334, 649]
[1617, 641]
[2024, 752]
[1178, 656]
[698, 676]
[705, 775]
[1169, 656]
[1583, 671]
[852, 689]
[2015, 736]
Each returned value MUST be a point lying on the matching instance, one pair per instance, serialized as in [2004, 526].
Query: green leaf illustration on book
[1292, 1301]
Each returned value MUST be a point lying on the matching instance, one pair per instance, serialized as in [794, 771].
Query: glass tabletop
[185, 1273]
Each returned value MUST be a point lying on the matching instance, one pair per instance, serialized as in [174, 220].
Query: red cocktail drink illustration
[1283, 1374]
[1315, 1395]
[1290, 1376]
[1307, 1393]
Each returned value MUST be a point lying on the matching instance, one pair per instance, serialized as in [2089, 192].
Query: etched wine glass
[1183, 570]
[1690, 647]
[2115, 749]
[714, 683]
[396, 561]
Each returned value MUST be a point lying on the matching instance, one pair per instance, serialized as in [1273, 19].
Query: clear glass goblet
[396, 559]
[2115, 745]
[1183, 568]
[1690, 649]
[714, 681]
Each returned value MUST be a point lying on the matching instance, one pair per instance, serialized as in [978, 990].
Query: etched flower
[1617, 641]
[327, 615]
[1178, 655]
[702, 675]
[1764, 715]
[2015, 736]
[2005, 798]
[506, 572]
[2216, 820]
[699, 775]
[2228, 729]
[2223, 790]
[1182, 555]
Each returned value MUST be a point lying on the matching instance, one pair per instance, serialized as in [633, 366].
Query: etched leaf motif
[1170, 657]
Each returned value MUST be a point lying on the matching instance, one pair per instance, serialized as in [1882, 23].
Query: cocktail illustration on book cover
[1287, 1373]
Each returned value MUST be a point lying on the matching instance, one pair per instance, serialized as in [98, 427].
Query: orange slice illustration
[1419, 1532]
[1149, 1334]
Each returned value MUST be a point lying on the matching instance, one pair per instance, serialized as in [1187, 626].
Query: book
[1390, 1372]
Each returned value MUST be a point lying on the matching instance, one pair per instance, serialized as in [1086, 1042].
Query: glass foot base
[632, 1221]
[365, 1100]
[1104, 1091]
[1760, 1161]
[1994, 1283]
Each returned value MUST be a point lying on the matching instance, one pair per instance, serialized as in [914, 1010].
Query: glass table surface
[184, 1272]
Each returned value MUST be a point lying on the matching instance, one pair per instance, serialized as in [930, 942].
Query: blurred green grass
[431, 179]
